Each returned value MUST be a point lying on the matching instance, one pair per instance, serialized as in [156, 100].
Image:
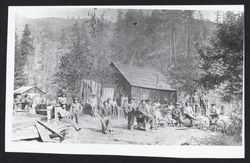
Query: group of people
[144, 113]
[200, 103]
[74, 110]
[22, 102]
[188, 112]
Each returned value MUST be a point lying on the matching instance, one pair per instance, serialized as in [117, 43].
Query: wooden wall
[121, 85]
[142, 93]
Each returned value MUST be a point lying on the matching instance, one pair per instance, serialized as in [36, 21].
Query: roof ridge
[139, 67]
[143, 77]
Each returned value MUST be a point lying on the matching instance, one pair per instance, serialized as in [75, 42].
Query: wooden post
[81, 90]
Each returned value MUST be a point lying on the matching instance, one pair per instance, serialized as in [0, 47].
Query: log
[43, 132]
[51, 129]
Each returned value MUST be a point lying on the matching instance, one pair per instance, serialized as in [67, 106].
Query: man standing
[93, 103]
[130, 111]
[188, 113]
[124, 104]
[106, 118]
[176, 114]
[113, 106]
[203, 104]
[75, 109]
[195, 103]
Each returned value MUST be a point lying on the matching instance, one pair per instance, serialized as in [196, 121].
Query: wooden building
[34, 92]
[143, 83]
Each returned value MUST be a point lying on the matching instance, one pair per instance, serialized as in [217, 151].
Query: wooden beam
[43, 132]
[52, 130]
[23, 133]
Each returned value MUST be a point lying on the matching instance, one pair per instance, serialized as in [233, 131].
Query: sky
[208, 12]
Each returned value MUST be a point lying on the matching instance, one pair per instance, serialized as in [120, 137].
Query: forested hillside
[63, 51]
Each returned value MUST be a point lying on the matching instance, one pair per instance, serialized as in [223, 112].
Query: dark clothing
[118, 101]
[130, 112]
[106, 124]
[190, 118]
[106, 111]
[75, 110]
[204, 105]
[176, 115]
[146, 115]
[213, 118]
[131, 119]
[106, 119]
[195, 102]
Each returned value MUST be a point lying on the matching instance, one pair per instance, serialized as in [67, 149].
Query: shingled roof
[143, 77]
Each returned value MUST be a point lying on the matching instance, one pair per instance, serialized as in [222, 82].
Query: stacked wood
[44, 131]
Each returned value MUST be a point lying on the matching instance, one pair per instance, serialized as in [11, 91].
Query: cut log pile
[52, 132]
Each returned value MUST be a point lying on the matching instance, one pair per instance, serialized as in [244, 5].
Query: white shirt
[188, 110]
[93, 102]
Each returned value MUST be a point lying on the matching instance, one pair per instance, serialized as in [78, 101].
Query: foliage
[23, 50]
[19, 65]
[222, 57]
[68, 50]
[235, 127]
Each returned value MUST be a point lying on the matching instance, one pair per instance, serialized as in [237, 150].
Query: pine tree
[19, 76]
[222, 57]
[27, 53]
[75, 65]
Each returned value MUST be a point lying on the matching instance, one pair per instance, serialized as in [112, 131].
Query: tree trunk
[170, 41]
[187, 35]
[81, 89]
[174, 46]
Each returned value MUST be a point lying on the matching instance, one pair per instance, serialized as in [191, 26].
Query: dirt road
[91, 133]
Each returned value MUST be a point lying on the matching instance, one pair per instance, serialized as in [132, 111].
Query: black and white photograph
[126, 80]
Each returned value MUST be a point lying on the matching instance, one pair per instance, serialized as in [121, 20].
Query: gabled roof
[143, 77]
[25, 88]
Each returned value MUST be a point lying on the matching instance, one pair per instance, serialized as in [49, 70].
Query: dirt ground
[90, 132]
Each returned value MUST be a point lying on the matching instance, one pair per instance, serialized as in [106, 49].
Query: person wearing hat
[188, 113]
[214, 114]
[176, 114]
[204, 104]
[75, 109]
[196, 103]
[105, 114]
[146, 115]
[130, 112]
[124, 104]
[63, 100]
[94, 104]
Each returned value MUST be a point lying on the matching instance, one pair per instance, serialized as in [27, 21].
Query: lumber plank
[43, 132]
[29, 132]
[51, 129]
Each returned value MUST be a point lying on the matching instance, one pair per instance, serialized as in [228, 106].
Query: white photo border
[111, 149]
